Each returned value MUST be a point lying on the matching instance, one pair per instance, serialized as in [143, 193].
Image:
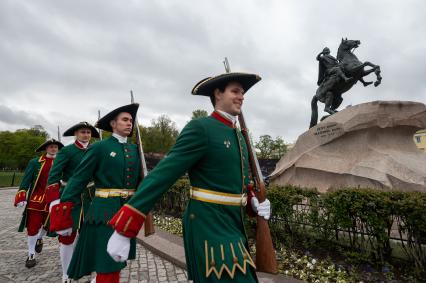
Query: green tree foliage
[160, 136]
[199, 113]
[17, 148]
[270, 148]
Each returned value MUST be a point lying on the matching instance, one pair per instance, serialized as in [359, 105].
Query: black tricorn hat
[104, 122]
[208, 85]
[81, 125]
[43, 146]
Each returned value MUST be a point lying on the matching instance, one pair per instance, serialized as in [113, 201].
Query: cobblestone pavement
[13, 252]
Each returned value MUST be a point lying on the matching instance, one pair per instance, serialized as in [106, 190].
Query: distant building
[420, 139]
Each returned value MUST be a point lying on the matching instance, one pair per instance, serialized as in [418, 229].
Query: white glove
[262, 209]
[65, 232]
[21, 203]
[118, 247]
[53, 203]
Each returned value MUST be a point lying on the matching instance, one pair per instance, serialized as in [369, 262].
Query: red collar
[78, 145]
[43, 158]
[222, 119]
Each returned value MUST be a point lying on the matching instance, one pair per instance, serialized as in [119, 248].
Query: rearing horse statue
[333, 84]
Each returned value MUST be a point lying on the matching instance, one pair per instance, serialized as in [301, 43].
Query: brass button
[212, 263]
[235, 259]
[192, 216]
[64, 208]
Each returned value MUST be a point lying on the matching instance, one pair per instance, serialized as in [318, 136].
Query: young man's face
[83, 135]
[122, 125]
[231, 99]
[52, 149]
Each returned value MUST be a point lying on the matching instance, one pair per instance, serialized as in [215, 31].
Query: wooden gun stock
[265, 253]
[149, 223]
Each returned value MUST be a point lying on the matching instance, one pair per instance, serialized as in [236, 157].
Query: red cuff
[52, 192]
[250, 195]
[60, 216]
[20, 196]
[128, 221]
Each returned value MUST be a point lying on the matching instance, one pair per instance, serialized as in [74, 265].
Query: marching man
[32, 196]
[114, 166]
[213, 152]
[63, 168]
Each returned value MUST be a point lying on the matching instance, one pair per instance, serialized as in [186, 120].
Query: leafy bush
[362, 225]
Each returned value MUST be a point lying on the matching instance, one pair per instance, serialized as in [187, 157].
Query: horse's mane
[340, 52]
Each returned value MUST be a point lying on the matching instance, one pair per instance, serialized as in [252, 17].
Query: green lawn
[6, 178]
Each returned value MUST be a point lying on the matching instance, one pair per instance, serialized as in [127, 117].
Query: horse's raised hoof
[376, 83]
[367, 83]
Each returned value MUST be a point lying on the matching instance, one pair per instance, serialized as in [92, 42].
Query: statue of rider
[329, 67]
[330, 73]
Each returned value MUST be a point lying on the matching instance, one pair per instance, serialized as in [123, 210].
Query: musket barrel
[149, 223]
[265, 253]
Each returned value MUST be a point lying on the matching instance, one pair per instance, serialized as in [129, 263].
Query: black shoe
[30, 262]
[39, 246]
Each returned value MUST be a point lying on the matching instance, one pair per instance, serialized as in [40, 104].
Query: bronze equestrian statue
[336, 76]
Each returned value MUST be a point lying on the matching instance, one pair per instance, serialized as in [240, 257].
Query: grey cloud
[76, 57]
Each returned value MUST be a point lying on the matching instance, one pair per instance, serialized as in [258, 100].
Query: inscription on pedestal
[328, 132]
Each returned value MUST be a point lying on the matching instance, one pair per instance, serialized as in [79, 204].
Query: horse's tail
[314, 114]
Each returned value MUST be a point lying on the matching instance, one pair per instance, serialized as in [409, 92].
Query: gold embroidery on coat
[214, 267]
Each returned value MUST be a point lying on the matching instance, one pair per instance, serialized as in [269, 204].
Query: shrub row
[366, 221]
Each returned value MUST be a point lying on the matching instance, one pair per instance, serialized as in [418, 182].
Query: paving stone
[146, 268]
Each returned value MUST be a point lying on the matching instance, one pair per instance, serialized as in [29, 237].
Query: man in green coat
[114, 166]
[213, 152]
[32, 195]
[63, 168]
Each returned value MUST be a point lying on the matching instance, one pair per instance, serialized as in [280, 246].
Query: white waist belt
[218, 197]
[112, 192]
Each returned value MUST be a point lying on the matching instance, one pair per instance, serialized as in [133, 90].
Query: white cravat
[119, 138]
[50, 155]
[228, 116]
[84, 144]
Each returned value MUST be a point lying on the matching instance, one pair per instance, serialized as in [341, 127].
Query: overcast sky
[61, 61]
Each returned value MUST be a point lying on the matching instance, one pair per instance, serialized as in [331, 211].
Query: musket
[100, 130]
[149, 223]
[265, 253]
[59, 134]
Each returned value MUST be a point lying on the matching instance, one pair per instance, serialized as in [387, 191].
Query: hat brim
[44, 145]
[104, 122]
[207, 86]
[83, 125]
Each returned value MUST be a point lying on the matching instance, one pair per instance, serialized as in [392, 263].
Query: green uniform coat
[215, 157]
[109, 164]
[28, 184]
[65, 163]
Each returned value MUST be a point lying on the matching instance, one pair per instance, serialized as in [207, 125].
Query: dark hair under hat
[208, 85]
[81, 125]
[44, 145]
[104, 122]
